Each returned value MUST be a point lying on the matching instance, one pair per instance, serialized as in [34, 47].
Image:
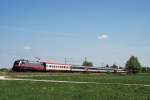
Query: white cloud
[27, 48]
[103, 37]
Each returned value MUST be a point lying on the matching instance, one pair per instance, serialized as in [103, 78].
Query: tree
[4, 70]
[107, 66]
[133, 65]
[114, 66]
[87, 63]
[145, 69]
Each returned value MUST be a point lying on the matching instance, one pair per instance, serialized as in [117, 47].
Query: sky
[104, 31]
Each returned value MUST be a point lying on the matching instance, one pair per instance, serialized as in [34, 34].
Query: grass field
[28, 90]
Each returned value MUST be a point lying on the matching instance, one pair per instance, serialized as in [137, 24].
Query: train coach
[57, 67]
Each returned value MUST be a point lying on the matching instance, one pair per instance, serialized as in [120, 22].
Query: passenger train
[26, 65]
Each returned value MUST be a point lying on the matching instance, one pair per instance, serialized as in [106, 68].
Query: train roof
[56, 63]
[28, 61]
[47, 62]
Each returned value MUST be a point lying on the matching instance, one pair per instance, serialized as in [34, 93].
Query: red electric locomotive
[26, 65]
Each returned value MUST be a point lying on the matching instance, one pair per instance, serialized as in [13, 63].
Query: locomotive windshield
[16, 63]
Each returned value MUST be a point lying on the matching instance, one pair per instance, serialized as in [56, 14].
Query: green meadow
[28, 90]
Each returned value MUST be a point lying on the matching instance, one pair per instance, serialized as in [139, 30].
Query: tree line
[132, 65]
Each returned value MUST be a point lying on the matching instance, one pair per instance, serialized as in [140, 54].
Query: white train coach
[57, 67]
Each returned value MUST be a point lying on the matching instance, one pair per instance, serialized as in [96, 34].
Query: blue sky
[104, 31]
